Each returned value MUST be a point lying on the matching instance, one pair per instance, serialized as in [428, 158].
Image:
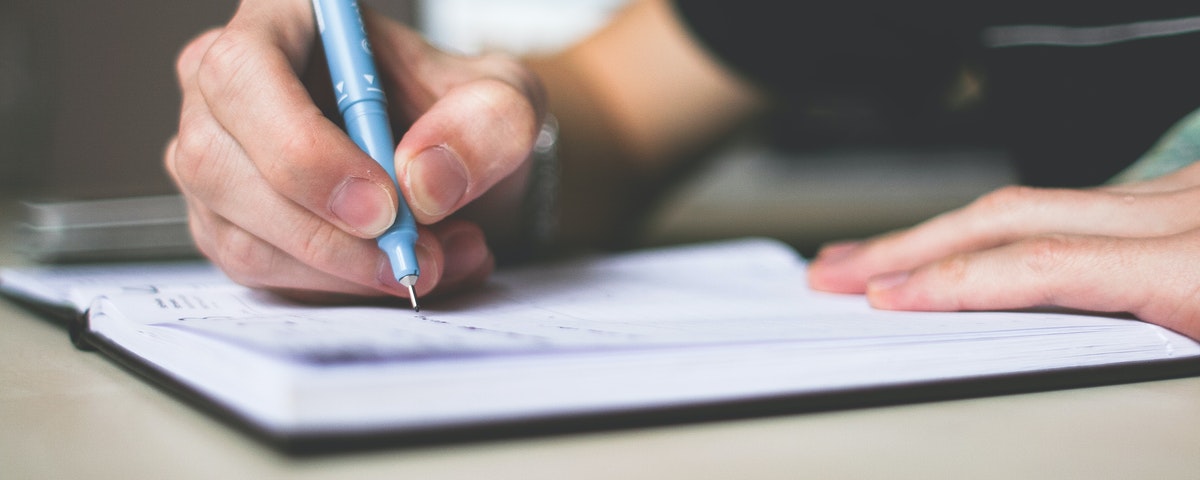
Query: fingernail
[437, 179]
[887, 281]
[364, 206]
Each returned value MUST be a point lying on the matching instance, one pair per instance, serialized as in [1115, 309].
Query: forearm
[633, 102]
[600, 180]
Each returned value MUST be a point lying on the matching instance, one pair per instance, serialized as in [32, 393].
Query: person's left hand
[1126, 248]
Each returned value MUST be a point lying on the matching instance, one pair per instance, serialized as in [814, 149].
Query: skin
[281, 199]
[250, 134]
[1129, 248]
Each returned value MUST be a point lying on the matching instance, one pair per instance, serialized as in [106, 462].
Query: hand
[280, 198]
[1128, 248]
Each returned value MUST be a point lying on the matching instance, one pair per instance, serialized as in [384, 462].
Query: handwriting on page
[754, 293]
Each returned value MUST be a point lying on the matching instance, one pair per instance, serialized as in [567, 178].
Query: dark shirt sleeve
[868, 67]
[1069, 114]
[792, 47]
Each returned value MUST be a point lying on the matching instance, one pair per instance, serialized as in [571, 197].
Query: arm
[281, 199]
[278, 195]
[1131, 247]
[633, 101]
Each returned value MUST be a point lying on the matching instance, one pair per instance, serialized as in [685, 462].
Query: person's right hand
[280, 198]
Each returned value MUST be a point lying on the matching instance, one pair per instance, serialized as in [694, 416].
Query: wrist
[538, 230]
[520, 215]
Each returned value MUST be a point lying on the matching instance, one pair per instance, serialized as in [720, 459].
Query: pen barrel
[399, 245]
[351, 66]
[363, 105]
[367, 124]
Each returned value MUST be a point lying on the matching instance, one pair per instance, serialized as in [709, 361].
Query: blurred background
[87, 89]
[88, 101]
[87, 92]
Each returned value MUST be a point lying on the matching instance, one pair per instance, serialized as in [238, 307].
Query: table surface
[71, 414]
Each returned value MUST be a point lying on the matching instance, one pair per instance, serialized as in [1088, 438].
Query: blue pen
[363, 107]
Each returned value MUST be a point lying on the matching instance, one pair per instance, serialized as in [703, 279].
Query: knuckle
[953, 270]
[321, 246]
[515, 74]
[169, 157]
[189, 58]
[245, 258]
[1006, 198]
[503, 99]
[1044, 255]
[225, 60]
[294, 151]
[199, 227]
[506, 109]
[192, 147]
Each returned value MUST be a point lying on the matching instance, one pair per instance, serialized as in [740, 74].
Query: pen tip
[412, 297]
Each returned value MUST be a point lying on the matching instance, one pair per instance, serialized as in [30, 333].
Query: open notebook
[683, 333]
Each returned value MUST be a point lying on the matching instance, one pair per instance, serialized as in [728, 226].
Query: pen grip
[367, 124]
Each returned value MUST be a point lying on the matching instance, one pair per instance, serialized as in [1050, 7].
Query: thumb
[474, 120]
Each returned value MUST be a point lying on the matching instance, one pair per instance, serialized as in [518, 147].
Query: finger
[419, 74]
[248, 79]
[258, 226]
[467, 260]
[251, 261]
[454, 256]
[473, 265]
[476, 120]
[193, 119]
[1001, 217]
[1184, 178]
[261, 231]
[190, 57]
[282, 251]
[1155, 279]
[461, 148]
[254, 232]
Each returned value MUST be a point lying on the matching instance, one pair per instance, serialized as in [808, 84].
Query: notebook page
[738, 292]
[76, 286]
[705, 323]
